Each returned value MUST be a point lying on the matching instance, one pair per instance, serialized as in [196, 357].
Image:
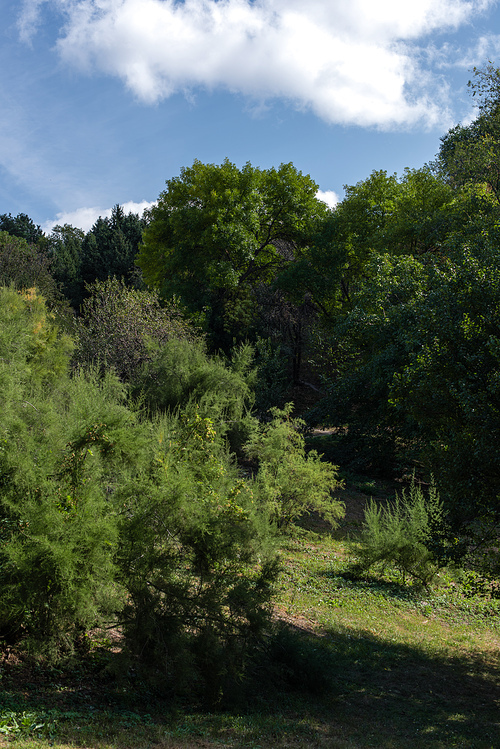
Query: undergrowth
[351, 662]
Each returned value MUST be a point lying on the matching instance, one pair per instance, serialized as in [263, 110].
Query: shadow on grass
[348, 579]
[379, 694]
[400, 692]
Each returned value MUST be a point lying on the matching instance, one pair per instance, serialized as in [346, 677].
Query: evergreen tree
[110, 247]
[21, 226]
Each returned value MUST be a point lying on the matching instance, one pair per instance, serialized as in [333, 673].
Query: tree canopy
[218, 232]
[21, 226]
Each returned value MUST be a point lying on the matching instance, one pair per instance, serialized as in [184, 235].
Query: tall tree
[470, 154]
[21, 226]
[110, 247]
[219, 232]
[64, 247]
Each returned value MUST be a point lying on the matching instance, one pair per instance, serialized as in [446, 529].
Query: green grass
[396, 667]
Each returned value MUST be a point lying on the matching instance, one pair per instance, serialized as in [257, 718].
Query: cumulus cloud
[329, 197]
[85, 218]
[350, 62]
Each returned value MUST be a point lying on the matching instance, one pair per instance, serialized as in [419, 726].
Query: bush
[196, 561]
[107, 515]
[181, 372]
[119, 327]
[57, 438]
[402, 534]
[290, 481]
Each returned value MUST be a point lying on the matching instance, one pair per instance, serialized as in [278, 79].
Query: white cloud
[349, 61]
[29, 19]
[329, 197]
[85, 218]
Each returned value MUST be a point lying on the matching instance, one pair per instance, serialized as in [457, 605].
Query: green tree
[419, 386]
[470, 154]
[21, 226]
[26, 266]
[64, 248]
[110, 247]
[450, 386]
[219, 232]
[383, 214]
[373, 341]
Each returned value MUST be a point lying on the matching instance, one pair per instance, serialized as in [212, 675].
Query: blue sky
[101, 101]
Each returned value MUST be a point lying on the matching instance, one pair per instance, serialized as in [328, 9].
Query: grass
[388, 666]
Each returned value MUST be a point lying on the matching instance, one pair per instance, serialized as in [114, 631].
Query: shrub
[182, 371]
[57, 437]
[290, 481]
[196, 562]
[402, 535]
[109, 515]
[119, 327]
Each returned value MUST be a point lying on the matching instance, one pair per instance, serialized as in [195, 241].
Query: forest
[188, 395]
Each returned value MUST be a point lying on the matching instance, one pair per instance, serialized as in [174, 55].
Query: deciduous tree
[218, 232]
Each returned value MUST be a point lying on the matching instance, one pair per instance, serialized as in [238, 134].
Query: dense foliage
[109, 513]
[402, 535]
[119, 327]
[414, 336]
[148, 457]
[25, 266]
[219, 236]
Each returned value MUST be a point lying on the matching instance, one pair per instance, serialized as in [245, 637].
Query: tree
[119, 327]
[373, 340]
[470, 154]
[450, 387]
[64, 247]
[110, 247]
[384, 214]
[218, 232]
[181, 372]
[21, 226]
[419, 385]
[24, 266]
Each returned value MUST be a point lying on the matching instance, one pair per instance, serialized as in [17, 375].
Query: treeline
[139, 376]
[70, 257]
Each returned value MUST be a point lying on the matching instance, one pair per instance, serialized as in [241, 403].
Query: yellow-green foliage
[401, 534]
[108, 515]
[290, 481]
[30, 339]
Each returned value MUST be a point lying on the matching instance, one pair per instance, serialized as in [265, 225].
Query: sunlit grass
[406, 666]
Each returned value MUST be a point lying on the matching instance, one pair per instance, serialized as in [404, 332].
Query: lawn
[374, 663]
